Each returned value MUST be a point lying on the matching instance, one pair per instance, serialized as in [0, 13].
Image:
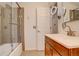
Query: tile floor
[33, 53]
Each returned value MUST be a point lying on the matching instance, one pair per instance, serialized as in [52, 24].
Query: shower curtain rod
[18, 5]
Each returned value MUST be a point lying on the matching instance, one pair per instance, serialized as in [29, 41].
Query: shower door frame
[20, 22]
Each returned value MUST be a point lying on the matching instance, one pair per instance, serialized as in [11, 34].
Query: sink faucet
[70, 32]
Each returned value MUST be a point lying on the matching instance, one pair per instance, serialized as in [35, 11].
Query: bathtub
[6, 49]
[17, 51]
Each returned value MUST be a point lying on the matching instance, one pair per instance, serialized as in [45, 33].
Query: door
[31, 29]
[43, 26]
[38, 24]
[55, 53]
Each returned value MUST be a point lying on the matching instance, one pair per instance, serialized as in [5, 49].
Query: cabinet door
[48, 50]
[55, 53]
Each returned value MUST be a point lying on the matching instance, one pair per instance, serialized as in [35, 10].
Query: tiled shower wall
[8, 27]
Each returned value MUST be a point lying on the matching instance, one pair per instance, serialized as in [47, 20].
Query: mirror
[53, 10]
[59, 11]
[72, 11]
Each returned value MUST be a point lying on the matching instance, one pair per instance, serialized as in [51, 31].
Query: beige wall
[36, 4]
[75, 24]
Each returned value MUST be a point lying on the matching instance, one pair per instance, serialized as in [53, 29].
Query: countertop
[66, 41]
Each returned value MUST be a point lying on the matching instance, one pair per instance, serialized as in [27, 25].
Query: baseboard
[34, 50]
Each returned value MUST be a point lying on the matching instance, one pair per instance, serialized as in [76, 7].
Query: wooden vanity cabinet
[53, 48]
[49, 50]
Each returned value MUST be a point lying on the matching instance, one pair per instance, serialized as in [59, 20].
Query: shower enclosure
[11, 27]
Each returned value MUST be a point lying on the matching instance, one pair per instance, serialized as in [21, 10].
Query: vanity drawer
[61, 49]
[58, 47]
[49, 50]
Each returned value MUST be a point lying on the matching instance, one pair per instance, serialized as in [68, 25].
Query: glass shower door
[11, 27]
[14, 26]
[5, 30]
